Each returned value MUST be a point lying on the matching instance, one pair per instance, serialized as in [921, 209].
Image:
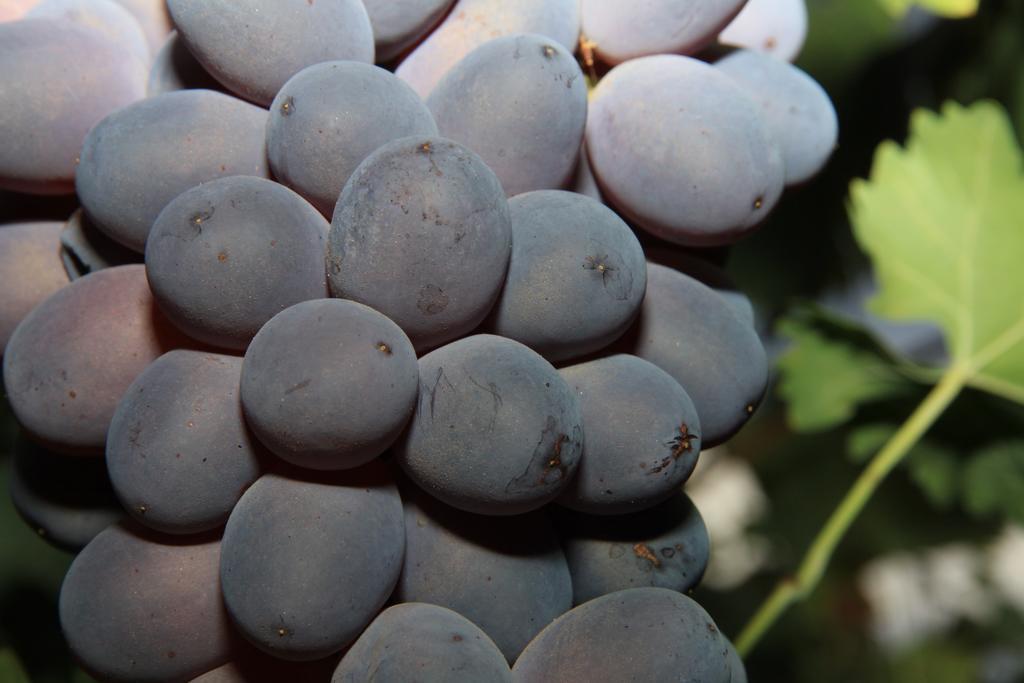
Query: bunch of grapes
[348, 373]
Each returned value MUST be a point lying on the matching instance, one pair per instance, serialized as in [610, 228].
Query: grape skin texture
[65, 499]
[106, 17]
[174, 68]
[507, 575]
[471, 23]
[709, 274]
[329, 117]
[178, 451]
[691, 333]
[439, 645]
[30, 271]
[254, 46]
[60, 79]
[643, 436]
[400, 24]
[422, 233]
[640, 634]
[308, 563]
[666, 546]
[496, 430]
[141, 157]
[681, 150]
[225, 257]
[576, 278]
[520, 102]
[798, 111]
[85, 249]
[329, 384]
[626, 30]
[739, 671]
[778, 27]
[137, 609]
[75, 354]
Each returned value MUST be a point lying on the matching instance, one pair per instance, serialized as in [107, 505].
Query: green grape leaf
[11, 670]
[953, 9]
[936, 470]
[943, 222]
[831, 368]
[993, 481]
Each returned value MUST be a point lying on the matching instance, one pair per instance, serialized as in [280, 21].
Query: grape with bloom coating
[507, 575]
[178, 452]
[496, 431]
[136, 607]
[75, 354]
[135, 161]
[439, 645]
[309, 559]
[422, 233]
[329, 117]
[254, 46]
[227, 256]
[520, 102]
[329, 384]
[682, 150]
[666, 635]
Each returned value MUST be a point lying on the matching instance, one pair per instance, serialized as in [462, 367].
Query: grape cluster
[350, 373]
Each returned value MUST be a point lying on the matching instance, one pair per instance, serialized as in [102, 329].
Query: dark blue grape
[329, 117]
[308, 563]
[75, 354]
[643, 436]
[505, 574]
[254, 46]
[496, 430]
[225, 257]
[690, 332]
[141, 157]
[428, 643]
[138, 608]
[520, 102]
[798, 111]
[178, 451]
[329, 384]
[665, 546]
[682, 151]
[576, 277]
[640, 634]
[422, 233]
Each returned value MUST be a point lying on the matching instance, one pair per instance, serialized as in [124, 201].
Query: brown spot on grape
[759, 202]
[643, 552]
[548, 51]
[72, 393]
[222, 256]
[288, 106]
[384, 348]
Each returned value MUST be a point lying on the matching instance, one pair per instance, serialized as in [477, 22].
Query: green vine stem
[798, 586]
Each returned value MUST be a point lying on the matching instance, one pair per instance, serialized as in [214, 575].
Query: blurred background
[926, 587]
